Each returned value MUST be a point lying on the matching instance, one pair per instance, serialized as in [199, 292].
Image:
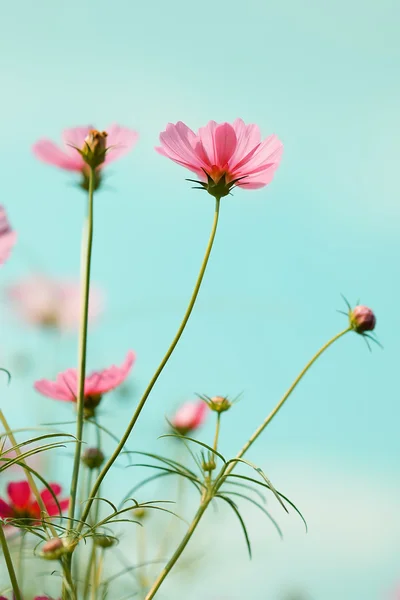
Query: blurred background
[323, 76]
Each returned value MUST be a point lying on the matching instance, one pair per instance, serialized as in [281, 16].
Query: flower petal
[103, 381]
[19, 493]
[225, 144]
[5, 510]
[8, 237]
[48, 152]
[120, 140]
[75, 138]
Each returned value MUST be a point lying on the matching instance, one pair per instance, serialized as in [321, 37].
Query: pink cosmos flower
[8, 237]
[223, 155]
[120, 141]
[65, 387]
[22, 504]
[48, 302]
[189, 416]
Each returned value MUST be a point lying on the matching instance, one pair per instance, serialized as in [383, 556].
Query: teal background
[323, 77]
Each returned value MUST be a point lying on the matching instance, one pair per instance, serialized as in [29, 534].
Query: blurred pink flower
[8, 237]
[47, 302]
[65, 387]
[120, 140]
[219, 151]
[189, 416]
[22, 504]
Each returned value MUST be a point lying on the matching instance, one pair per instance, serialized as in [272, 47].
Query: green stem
[158, 582]
[9, 563]
[225, 472]
[282, 401]
[82, 350]
[217, 430]
[160, 368]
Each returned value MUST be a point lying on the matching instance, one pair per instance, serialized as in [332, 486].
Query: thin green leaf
[263, 475]
[237, 513]
[266, 513]
[189, 439]
[267, 487]
[249, 487]
[168, 461]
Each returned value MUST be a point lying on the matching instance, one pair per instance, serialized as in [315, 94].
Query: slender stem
[88, 233]
[160, 368]
[20, 569]
[89, 572]
[9, 563]
[217, 430]
[158, 582]
[282, 401]
[29, 477]
[225, 472]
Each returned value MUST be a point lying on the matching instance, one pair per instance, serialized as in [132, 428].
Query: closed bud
[104, 541]
[140, 513]
[209, 465]
[219, 404]
[362, 319]
[94, 149]
[93, 458]
[53, 549]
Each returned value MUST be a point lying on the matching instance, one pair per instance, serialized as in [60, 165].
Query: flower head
[8, 237]
[362, 319]
[71, 156]
[189, 417]
[51, 303]
[65, 387]
[23, 505]
[223, 155]
[92, 458]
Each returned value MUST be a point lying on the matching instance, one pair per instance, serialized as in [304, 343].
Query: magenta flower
[65, 387]
[8, 237]
[22, 504]
[47, 302]
[223, 155]
[189, 417]
[120, 140]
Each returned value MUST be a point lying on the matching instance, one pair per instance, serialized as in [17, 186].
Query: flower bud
[53, 549]
[140, 513]
[93, 458]
[90, 403]
[219, 404]
[209, 465]
[362, 319]
[94, 149]
[104, 541]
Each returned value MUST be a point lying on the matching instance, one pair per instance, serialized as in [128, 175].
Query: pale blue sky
[323, 77]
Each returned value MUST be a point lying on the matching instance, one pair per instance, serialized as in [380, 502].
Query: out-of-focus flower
[54, 548]
[219, 403]
[23, 505]
[223, 155]
[189, 417]
[8, 237]
[70, 157]
[65, 387]
[362, 319]
[92, 458]
[52, 303]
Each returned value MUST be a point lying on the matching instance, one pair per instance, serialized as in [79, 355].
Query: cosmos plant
[75, 530]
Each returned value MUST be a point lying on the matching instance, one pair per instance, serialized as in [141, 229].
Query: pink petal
[178, 141]
[248, 139]
[8, 237]
[103, 381]
[75, 138]
[5, 510]
[46, 495]
[48, 152]
[120, 141]
[64, 388]
[190, 415]
[225, 144]
[207, 137]
[19, 494]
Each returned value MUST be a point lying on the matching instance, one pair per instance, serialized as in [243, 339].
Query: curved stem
[282, 401]
[160, 368]
[225, 472]
[158, 582]
[9, 563]
[86, 255]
